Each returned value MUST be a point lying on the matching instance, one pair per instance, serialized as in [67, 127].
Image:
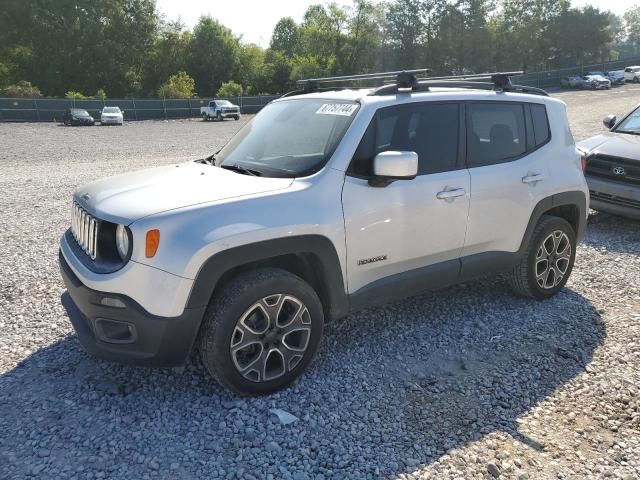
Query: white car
[111, 116]
[632, 74]
[327, 202]
[597, 82]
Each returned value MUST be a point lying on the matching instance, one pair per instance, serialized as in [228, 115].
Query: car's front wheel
[548, 260]
[261, 331]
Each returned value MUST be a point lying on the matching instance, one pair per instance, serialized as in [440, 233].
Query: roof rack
[498, 82]
[405, 79]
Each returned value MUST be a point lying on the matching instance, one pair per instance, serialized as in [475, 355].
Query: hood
[132, 196]
[615, 144]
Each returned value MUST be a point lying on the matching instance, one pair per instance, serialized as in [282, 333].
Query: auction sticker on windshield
[345, 109]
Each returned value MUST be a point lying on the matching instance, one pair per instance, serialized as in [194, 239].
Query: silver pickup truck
[219, 110]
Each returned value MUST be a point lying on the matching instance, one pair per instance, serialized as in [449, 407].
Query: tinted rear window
[496, 133]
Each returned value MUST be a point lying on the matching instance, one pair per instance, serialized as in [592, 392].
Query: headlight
[122, 241]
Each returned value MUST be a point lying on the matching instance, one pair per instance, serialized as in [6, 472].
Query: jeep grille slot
[84, 228]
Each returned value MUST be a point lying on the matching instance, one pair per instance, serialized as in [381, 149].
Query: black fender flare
[320, 247]
[576, 199]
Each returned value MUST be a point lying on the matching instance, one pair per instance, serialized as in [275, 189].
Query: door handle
[533, 178]
[453, 193]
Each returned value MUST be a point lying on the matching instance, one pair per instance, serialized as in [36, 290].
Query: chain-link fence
[551, 78]
[52, 109]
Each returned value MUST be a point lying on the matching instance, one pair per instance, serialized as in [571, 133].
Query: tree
[213, 55]
[179, 85]
[229, 89]
[631, 20]
[251, 70]
[22, 89]
[167, 56]
[286, 37]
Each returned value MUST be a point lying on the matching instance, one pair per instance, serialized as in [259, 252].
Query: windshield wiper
[242, 170]
[632, 132]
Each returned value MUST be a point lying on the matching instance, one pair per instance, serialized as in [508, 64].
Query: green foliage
[213, 55]
[126, 48]
[100, 94]
[229, 89]
[72, 94]
[22, 89]
[179, 85]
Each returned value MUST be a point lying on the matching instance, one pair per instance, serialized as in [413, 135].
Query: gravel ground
[466, 383]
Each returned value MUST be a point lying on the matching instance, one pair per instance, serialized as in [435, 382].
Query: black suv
[77, 116]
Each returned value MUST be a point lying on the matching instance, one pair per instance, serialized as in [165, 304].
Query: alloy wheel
[270, 338]
[553, 260]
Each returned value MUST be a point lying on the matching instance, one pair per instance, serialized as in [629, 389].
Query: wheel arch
[572, 206]
[311, 257]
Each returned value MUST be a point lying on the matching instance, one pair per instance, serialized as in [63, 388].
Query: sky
[255, 19]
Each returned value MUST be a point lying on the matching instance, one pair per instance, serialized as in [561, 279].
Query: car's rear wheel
[548, 260]
[261, 331]
[205, 117]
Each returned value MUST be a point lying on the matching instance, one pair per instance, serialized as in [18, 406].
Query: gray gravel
[470, 382]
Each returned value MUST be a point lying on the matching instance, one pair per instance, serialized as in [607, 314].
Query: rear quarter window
[540, 122]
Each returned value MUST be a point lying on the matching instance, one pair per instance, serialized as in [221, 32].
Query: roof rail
[498, 81]
[405, 79]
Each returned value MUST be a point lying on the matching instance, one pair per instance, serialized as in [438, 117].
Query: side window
[540, 124]
[628, 70]
[432, 130]
[496, 133]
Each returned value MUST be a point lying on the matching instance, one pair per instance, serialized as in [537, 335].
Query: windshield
[631, 124]
[291, 138]
[223, 103]
[79, 113]
[111, 110]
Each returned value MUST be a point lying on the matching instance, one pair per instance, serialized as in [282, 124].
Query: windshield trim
[266, 170]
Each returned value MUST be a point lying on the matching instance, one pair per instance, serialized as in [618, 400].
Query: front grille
[621, 201]
[84, 229]
[603, 166]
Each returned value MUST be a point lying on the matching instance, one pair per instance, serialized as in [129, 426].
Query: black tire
[219, 117]
[524, 279]
[221, 327]
[237, 117]
[205, 117]
[636, 79]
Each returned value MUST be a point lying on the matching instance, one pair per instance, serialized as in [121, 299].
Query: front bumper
[111, 121]
[614, 197]
[127, 333]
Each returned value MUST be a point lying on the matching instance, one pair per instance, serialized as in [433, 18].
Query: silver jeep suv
[329, 201]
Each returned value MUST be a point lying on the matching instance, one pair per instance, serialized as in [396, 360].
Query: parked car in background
[597, 82]
[219, 110]
[613, 166]
[632, 74]
[77, 116]
[111, 116]
[573, 82]
[616, 77]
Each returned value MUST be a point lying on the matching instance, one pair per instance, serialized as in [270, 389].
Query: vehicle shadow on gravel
[394, 388]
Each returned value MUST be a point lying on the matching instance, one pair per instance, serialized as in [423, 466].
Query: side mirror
[609, 121]
[391, 166]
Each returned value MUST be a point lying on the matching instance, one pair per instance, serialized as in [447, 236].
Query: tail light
[583, 159]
